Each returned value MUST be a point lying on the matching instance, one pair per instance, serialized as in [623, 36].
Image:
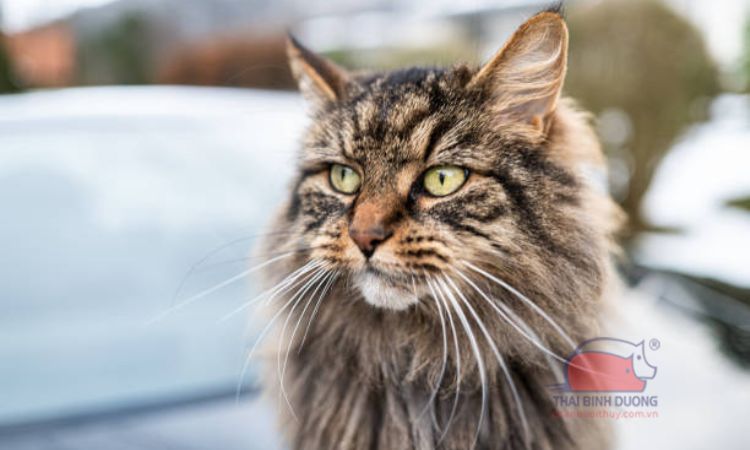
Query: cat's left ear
[320, 80]
[526, 76]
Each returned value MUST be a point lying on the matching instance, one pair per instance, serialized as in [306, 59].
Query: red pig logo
[608, 365]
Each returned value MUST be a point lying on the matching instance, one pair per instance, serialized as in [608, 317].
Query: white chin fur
[379, 293]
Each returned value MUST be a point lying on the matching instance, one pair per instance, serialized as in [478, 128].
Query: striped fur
[526, 215]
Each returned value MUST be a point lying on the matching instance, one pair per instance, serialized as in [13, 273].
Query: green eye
[344, 179]
[444, 180]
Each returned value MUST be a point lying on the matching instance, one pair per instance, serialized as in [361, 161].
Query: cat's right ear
[320, 80]
[526, 76]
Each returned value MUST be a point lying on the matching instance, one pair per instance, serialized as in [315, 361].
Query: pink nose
[370, 226]
[369, 238]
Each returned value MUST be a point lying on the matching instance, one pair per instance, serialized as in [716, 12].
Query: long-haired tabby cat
[440, 252]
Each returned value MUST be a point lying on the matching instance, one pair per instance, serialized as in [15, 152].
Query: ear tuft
[320, 80]
[526, 76]
[556, 8]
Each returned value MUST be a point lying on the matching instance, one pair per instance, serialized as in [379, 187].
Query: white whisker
[526, 300]
[282, 286]
[437, 294]
[260, 337]
[500, 360]
[323, 278]
[445, 350]
[315, 310]
[215, 288]
[289, 282]
[299, 295]
[517, 323]
[477, 354]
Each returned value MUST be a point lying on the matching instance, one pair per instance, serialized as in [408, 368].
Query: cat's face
[399, 183]
[412, 178]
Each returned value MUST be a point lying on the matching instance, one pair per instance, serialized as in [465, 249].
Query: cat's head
[419, 182]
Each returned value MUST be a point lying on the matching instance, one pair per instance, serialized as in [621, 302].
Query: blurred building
[44, 56]
[242, 60]
[125, 42]
[7, 75]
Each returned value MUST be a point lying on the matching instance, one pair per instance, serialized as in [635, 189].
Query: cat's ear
[320, 80]
[526, 76]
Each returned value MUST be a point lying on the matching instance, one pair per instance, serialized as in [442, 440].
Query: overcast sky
[19, 14]
[721, 20]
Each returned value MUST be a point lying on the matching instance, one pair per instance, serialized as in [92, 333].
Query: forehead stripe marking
[437, 132]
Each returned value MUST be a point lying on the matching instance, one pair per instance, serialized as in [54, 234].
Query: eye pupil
[344, 179]
[444, 180]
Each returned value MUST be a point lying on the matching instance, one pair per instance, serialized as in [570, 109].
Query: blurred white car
[109, 196]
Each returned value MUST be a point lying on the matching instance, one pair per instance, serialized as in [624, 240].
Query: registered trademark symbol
[654, 344]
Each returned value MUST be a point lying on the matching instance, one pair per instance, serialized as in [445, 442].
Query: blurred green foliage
[745, 67]
[118, 54]
[640, 58]
[393, 58]
[740, 203]
[7, 79]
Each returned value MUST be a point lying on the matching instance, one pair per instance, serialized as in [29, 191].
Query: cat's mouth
[384, 290]
[395, 279]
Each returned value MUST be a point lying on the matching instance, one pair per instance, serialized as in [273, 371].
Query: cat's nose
[370, 226]
[368, 239]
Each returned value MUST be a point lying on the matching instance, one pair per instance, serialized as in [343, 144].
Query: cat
[440, 246]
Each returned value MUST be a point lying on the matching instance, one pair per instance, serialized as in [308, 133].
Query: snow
[708, 167]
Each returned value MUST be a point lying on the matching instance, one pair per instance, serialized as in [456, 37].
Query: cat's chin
[382, 294]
